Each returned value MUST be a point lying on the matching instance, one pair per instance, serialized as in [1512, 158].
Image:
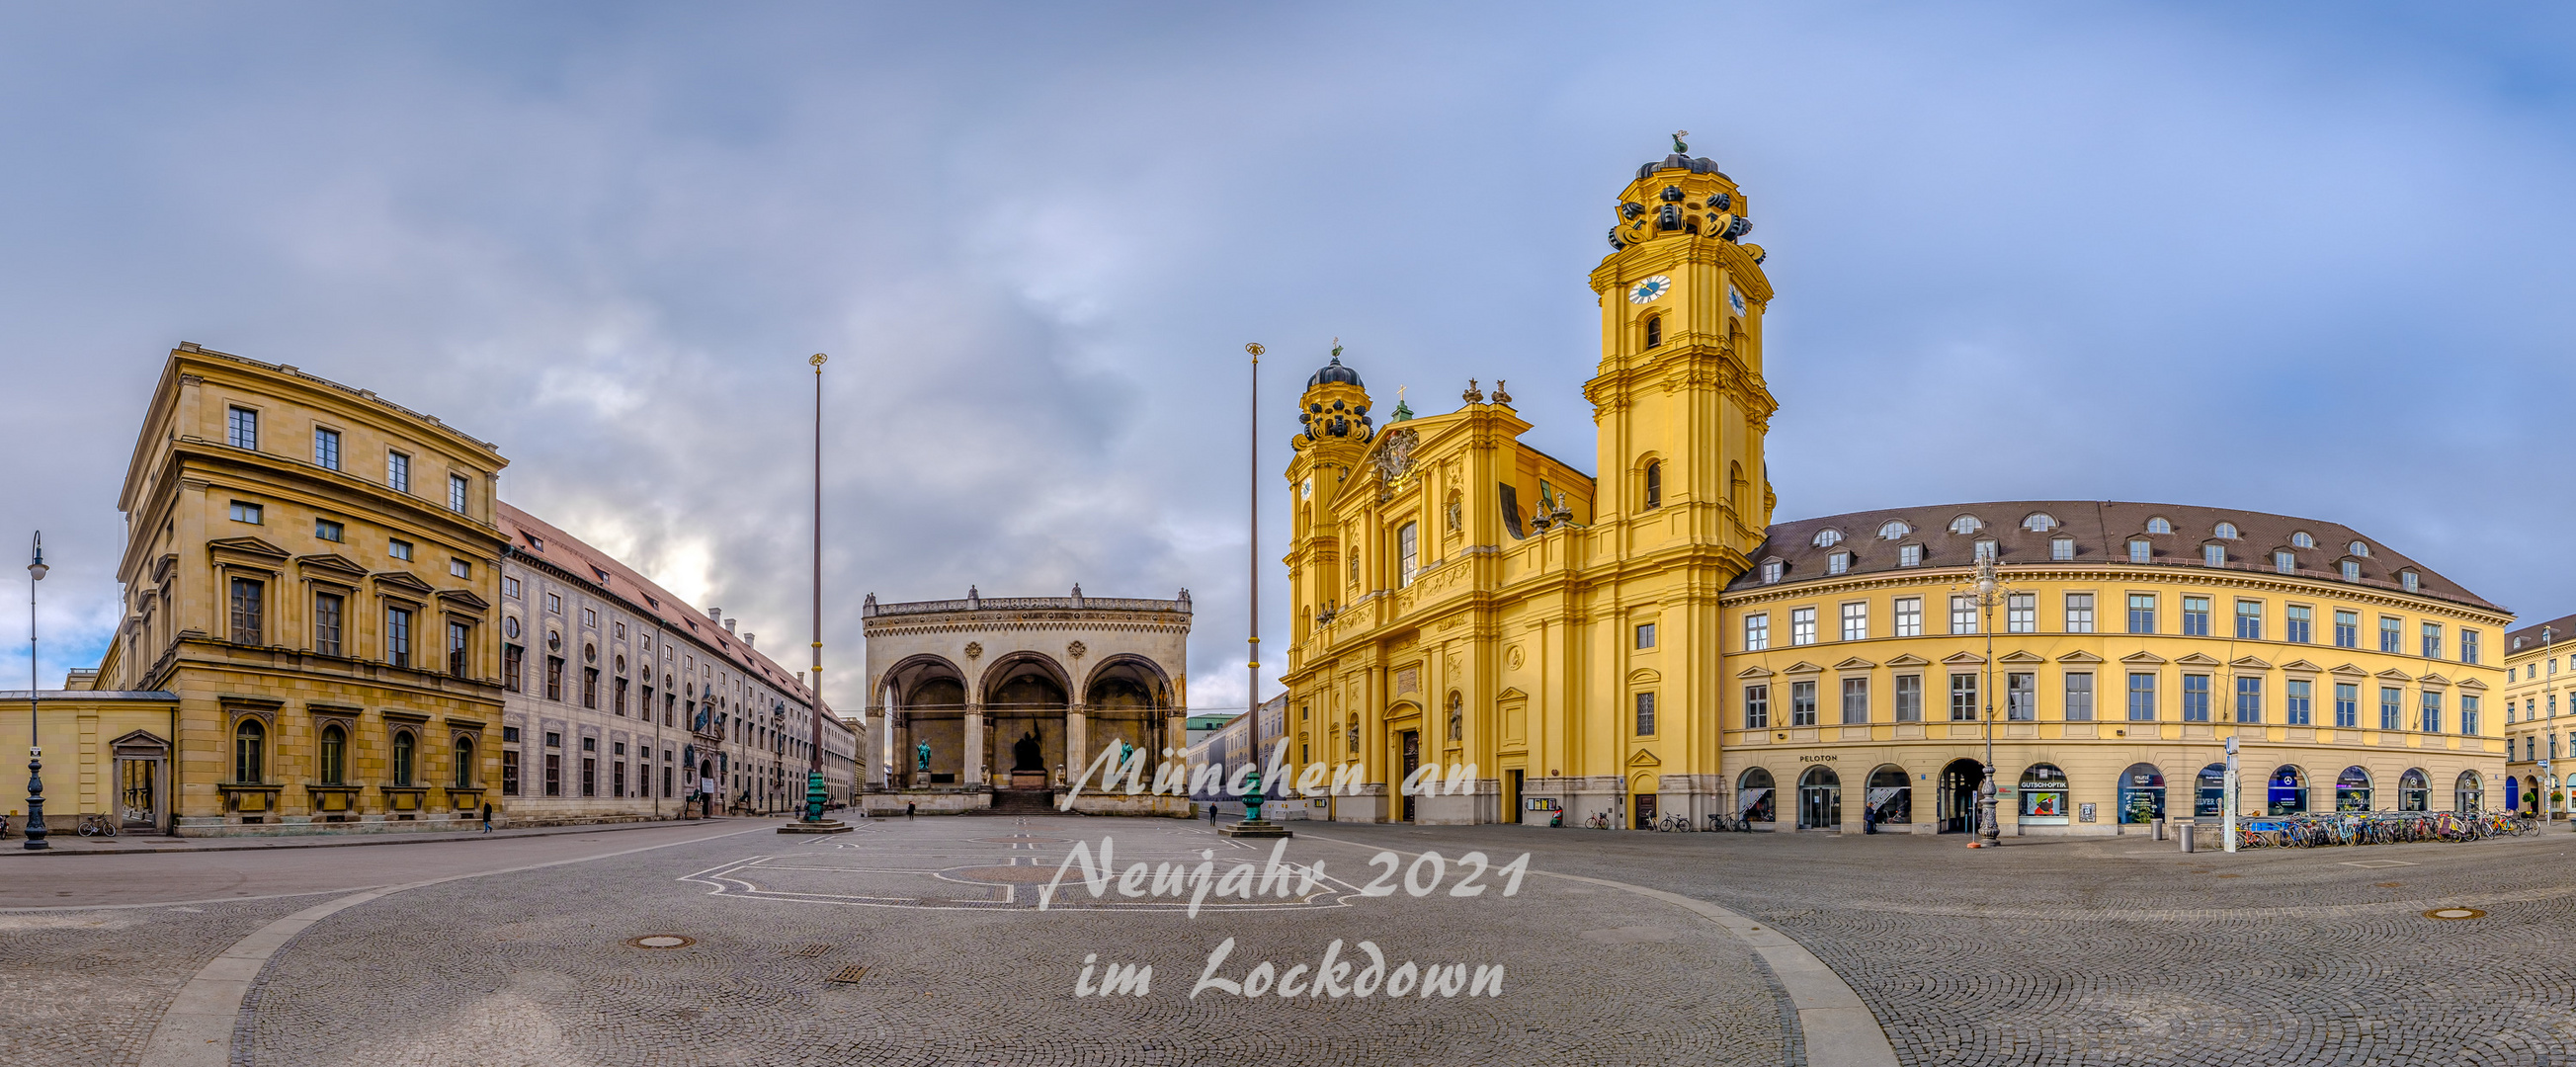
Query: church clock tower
[1679, 397]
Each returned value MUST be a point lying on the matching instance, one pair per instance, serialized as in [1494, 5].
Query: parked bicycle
[2318, 829]
[96, 824]
[1674, 824]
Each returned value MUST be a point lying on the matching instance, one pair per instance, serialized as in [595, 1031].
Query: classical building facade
[999, 701]
[2539, 665]
[332, 624]
[1650, 642]
[621, 702]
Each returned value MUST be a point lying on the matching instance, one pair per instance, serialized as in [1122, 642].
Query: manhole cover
[662, 941]
[2455, 913]
[852, 973]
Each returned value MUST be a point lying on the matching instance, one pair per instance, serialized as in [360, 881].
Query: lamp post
[1988, 588]
[2548, 778]
[35, 750]
[1253, 825]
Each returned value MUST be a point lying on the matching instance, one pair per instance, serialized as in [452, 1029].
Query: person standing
[487, 816]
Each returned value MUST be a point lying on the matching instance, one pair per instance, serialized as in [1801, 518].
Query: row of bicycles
[2321, 829]
[1671, 824]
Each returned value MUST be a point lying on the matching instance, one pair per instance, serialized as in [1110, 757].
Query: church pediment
[1513, 693]
[2142, 659]
[1644, 758]
[1642, 676]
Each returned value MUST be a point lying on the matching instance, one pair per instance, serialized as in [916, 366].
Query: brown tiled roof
[2562, 631]
[2101, 529]
[640, 594]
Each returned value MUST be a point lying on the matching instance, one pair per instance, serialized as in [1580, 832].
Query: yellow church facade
[1647, 642]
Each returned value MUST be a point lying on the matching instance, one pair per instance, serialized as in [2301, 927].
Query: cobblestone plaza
[924, 942]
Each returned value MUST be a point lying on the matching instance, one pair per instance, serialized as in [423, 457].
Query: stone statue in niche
[1024, 755]
[1457, 716]
[921, 757]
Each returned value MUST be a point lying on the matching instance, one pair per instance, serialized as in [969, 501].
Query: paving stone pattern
[533, 968]
[82, 988]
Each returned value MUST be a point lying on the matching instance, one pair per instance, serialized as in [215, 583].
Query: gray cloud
[2303, 261]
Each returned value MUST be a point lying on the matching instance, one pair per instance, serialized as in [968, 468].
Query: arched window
[1738, 494]
[2286, 791]
[2359, 549]
[2226, 531]
[1828, 537]
[1820, 799]
[2469, 793]
[2142, 794]
[2352, 790]
[464, 778]
[1654, 331]
[1966, 524]
[250, 752]
[1891, 795]
[335, 755]
[2414, 790]
[2302, 540]
[2209, 799]
[2039, 522]
[1895, 528]
[2043, 795]
[405, 748]
[1655, 484]
[1753, 797]
[2158, 525]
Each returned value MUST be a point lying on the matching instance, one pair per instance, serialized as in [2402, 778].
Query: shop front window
[2286, 792]
[2414, 791]
[2142, 794]
[1753, 796]
[2352, 790]
[2209, 795]
[2043, 795]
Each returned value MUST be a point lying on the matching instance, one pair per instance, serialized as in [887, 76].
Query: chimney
[746, 639]
[729, 625]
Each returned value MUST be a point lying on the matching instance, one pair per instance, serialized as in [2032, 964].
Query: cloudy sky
[2309, 260]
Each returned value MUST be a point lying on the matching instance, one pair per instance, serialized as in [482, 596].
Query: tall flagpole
[1253, 825]
[816, 796]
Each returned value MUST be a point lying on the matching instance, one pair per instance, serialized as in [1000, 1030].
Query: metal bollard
[2160, 831]
[2183, 831]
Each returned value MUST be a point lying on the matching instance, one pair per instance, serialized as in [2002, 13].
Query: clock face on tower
[1735, 299]
[1650, 288]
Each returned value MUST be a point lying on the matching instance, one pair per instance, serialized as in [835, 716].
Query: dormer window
[2352, 570]
[2302, 540]
[2285, 561]
[1772, 569]
[535, 541]
[2406, 580]
[2061, 548]
[1986, 550]
[2141, 550]
[2226, 531]
[2359, 549]
[1838, 563]
[2214, 555]
[2158, 525]
[1895, 528]
[1909, 556]
[1966, 524]
[2039, 522]
[1828, 537]
[1654, 331]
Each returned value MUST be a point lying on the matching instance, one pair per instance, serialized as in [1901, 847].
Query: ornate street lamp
[35, 750]
[1988, 588]
[2548, 777]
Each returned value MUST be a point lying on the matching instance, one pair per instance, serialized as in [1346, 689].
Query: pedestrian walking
[907, 809]
[1211, 813]
[487, 816]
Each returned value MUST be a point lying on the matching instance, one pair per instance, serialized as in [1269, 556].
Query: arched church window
[1654, 331]
[1655, 484]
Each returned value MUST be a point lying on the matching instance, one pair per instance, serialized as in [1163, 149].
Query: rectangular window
[2079, 613]
[2347, 629]
[2249, 620]
[1963, 614]
[1757, 632]
[459, 568]
[1645, 714]
[1855, 701]
[241, 429]
[590, 687]
[2285, 562]
[1757, 707]
[1802, 626]
[513, 665]
[554, 774]
[245, 511]
[554, 603]
[2142, 613]
[509, 772]
[398, 636]
[2432, 640]
[2468, 714]
[2140, 551]
[1838, 563]
[1802, 703]
[2391, 699]
[2021, 613]
[398, 472]
[326, 623]
[1963, 697]
[509, 587]
[1407, 564]
[247, 620]
[2213, 555]
[326, 448]
[1909, 556]
[460, 657]
[2021, 697]
[617, 778]
[2392, 635]
[1909, 616]
[398, 549]
[1856, 621]
[327, 530]
[619, 696]
[589, 618]
[2296, 698]
[457, 487]
[2347, 706]
[1909, 698]
[2061, 549]
[2195, 616]
[589, 776]
[1985, 550]
[2142, 696]
[2249, 699]
[2079, 697]
[2195, 698]
[2432, 713]
[2468, 648]
[2297, 623]
[554, 677]
[1645, 635]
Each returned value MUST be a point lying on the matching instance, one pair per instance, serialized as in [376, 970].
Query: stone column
[1077, 743]
[971, 768]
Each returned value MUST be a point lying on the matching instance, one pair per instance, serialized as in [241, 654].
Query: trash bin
[2183, 831]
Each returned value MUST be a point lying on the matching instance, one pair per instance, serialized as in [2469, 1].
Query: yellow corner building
[2540, 673]
[1648, 643]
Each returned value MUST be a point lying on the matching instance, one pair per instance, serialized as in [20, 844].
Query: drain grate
[849, 974]
[811, 951]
